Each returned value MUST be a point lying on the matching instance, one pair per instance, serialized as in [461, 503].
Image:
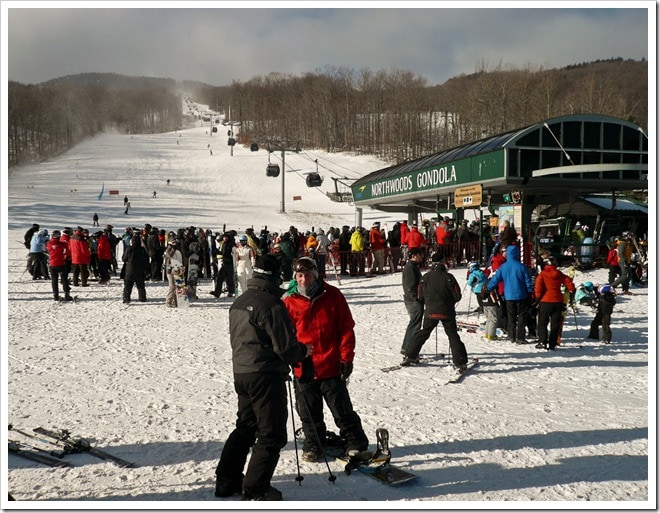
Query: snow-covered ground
[573, 428]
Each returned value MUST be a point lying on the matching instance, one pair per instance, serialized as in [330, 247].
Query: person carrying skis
[264, 345]
[549, 293]
[323, 321]
[440, 292]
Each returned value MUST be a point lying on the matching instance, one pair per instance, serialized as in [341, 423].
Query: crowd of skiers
[522, 301]
[268, 336]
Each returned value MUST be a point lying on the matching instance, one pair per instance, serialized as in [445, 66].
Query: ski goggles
[304, 264]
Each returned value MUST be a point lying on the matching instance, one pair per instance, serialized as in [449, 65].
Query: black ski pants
[458, 351]
[138, 281]
[516, 314]
[552, 313]
[60, 273]
[225, 273]
[309, 405]
[260, 426]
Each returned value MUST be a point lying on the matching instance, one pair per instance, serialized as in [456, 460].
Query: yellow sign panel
[468, 196]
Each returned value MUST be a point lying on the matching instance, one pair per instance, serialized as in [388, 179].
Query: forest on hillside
[395, 115]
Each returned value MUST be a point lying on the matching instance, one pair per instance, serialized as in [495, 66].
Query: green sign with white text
[466, 171]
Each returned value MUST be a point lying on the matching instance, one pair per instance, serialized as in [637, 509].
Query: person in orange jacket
[551, 302]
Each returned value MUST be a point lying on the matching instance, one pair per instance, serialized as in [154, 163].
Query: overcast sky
[215, 45]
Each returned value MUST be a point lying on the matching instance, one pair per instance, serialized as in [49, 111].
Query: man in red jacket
[57, 254]
[551, 302]
[80, 257]
[323, 320]
[104, 252]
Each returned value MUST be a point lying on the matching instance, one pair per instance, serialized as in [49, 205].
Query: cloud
[219, 45]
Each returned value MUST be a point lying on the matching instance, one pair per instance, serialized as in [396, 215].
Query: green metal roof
[588, 152]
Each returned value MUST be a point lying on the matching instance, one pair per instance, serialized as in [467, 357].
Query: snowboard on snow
[376, 465]
[193, 276]
[178, 274]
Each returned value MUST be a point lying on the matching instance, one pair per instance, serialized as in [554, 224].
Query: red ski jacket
[57, 251]
[103, 250]
[79, 248]
[415, 239]
[548, 285]
[613, 257]
[326, 322]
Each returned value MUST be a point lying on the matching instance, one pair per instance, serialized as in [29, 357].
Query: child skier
[606, 299]
[585, 294]
[491, 308]
[475, 280]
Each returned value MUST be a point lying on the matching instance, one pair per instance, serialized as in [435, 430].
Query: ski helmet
[588, 285]
[604, 289]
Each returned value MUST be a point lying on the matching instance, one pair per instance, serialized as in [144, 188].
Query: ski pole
[302, 399]
[299, 477]
[469, 304]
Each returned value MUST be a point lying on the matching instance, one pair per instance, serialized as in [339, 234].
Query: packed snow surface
[153, 385]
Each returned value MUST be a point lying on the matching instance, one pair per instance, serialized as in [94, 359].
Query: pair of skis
[57, 444]
[456, 378]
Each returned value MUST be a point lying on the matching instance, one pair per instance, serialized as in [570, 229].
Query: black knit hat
[438, 258]
[268, 266]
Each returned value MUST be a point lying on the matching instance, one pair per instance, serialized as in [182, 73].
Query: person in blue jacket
[518, 290]
[38, 256]
[475, 280]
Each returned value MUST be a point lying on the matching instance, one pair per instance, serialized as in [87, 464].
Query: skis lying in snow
[468, 326]
[71, 445]
[34, 453]
[459, 376]
[377, 465]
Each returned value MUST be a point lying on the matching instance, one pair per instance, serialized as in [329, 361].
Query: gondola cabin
[313, 180]
[254, 147]
[231, 141]
[273, 170]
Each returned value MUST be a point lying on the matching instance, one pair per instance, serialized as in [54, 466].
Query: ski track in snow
[153, 385]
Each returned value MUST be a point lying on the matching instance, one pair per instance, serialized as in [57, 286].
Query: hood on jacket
[513, 253]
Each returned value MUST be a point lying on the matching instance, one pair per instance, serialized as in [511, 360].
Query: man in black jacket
[440, 292]
[226, 272]
[136, 263]
[411, 277]
[264, 345]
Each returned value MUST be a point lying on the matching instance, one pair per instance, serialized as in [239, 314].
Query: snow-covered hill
[571, 428]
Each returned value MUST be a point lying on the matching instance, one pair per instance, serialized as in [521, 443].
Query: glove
[345, 370]
[306, 370]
